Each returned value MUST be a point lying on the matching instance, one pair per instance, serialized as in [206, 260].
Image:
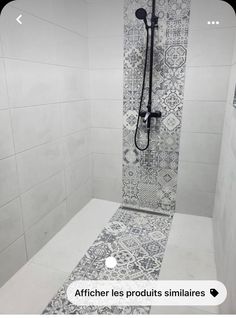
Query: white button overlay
[111, 262]
[147, 293]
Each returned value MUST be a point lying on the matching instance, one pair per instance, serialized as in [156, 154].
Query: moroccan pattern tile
[137, 241]
[150, 177]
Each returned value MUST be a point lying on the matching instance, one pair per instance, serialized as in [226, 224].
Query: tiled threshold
[189, 255]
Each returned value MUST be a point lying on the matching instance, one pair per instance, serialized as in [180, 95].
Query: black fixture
[147, 115]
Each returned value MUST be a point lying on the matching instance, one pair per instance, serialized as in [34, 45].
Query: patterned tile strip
[137, 241]
[150, 177]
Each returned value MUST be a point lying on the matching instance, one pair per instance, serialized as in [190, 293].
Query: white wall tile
[6, 140]
[107, 189]
[33, 126]
[105, 140]
[79, 198]
[76, 146]
[111, 57]
[41, 232]
[43, 9]
[107, 165]
[203, 117]
[3, 88]
[54, 83]
[42, 199]
[37, 283]
[72, 15]
[106, 84]
[200, 147]
[197, 177]
[210, 47]
[70, 48]
[194, 202]
[11, 259]
[8, 180]
[203, 11]
[11, 226]
[77, 174]
[206, 83]
[105, 18]
[107, 113]
[76, 116]
[38, 164]
[13, 36]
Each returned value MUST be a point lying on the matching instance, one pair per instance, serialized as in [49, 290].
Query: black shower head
[141, 14]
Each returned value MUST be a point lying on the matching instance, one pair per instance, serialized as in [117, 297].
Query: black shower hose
[141, 99]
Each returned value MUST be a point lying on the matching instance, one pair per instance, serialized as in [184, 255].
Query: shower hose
[141, 99]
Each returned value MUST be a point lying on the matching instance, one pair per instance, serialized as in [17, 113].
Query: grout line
[53, 141]
[48, 104]
[45, 63]
[14, 155]
[48, 21]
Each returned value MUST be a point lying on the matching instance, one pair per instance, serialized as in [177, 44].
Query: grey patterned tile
[159, 163]
[137, 241]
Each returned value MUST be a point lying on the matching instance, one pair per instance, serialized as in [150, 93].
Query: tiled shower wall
[210, 50]
[105, 29]
[224, 217]
[44, 124]
[150, 177]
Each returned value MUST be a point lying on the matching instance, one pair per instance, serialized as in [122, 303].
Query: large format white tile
[77, 174]
[70, 48]
[203, 11]
[107, 113]
[79, 198]
[6, 140]
[105, 18]
[41, 232]
[199, 147]
[42, 199]
[210, 47]
[66, 248]
[37, 284]
[38, 164]
[108, 188]
[33, 126]
[106, 84]
[105, 140]
[196, 232]
[8, 180]
[197, 176]
[11, 226]
[72, 15]
[76, 116]
[107, 165]
[76, 146]
[12, 259]
[206, 83]
[194, 202]
[37, 84]
[21, 42]
[111, 57]
[3, 87]
[203, 117]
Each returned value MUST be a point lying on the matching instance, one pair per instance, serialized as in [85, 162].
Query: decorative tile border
[150, 177]
[137, 241]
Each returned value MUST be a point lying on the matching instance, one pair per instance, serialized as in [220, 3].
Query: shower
[147, 115]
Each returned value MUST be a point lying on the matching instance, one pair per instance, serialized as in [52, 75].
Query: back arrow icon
[18, 19]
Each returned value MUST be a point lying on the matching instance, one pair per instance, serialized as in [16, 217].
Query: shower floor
[189, 255]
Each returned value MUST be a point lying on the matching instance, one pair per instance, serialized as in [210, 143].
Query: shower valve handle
[146, 115]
